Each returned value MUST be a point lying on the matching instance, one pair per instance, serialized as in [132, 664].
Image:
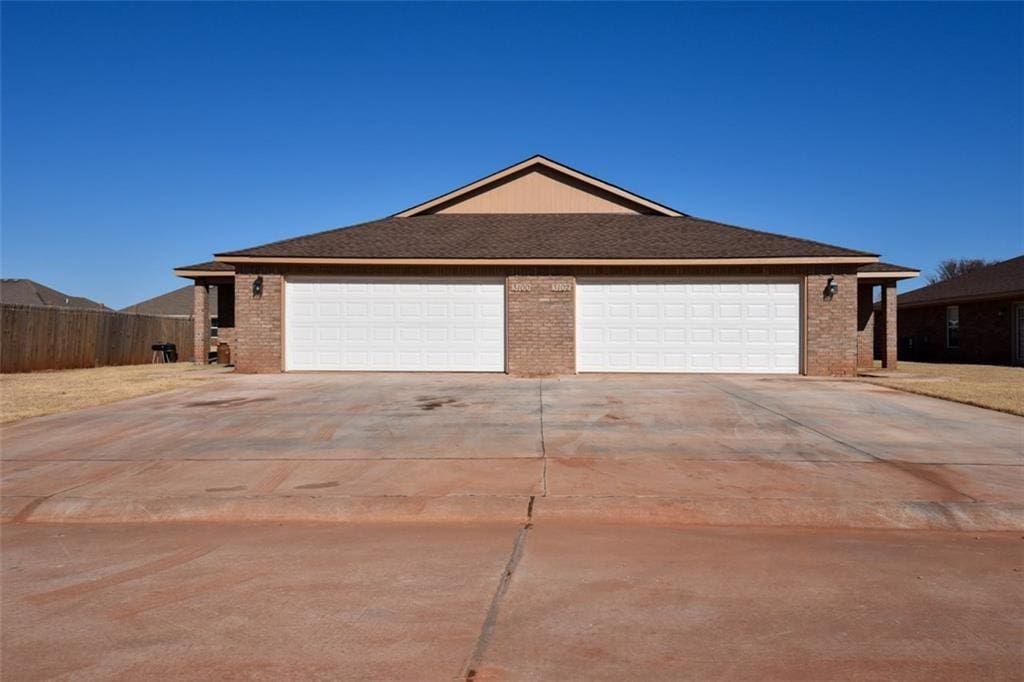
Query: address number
[561, 286]
[520, 286]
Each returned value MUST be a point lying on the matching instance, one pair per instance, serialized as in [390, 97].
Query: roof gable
[539, 185]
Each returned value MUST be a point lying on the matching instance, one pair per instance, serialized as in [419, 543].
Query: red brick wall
[865, 326]
[986, 333]
[259, 326]
[540, 330]
[201, 322]
[831, 335]
[889, 319]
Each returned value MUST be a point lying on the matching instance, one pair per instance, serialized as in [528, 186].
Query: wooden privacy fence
[35, 337]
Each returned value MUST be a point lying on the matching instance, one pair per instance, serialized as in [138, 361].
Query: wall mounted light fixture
[831, 287]
[257, 287]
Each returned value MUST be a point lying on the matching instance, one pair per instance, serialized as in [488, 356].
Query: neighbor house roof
[994, 281]
[177, 303]
[560, 237]
[29, 292]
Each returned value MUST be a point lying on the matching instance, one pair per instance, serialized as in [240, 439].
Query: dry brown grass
[989, 386]
[34, 394]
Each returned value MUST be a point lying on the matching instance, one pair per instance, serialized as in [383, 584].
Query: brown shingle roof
[177, 303]
[1002, 279]
[212, 266]
[535, 236]
[28, 292]
[886, 267]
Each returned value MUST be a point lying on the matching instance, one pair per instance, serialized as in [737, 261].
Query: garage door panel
[395, 325]
[688, 327]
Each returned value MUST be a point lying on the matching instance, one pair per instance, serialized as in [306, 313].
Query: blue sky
[138, 137]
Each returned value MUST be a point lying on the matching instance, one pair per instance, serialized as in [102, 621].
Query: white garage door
[688, 326]
[395, 324]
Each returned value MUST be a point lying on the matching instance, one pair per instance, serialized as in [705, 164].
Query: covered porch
[879, 320]
[221, 278]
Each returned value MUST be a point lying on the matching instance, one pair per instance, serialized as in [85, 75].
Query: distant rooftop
[993, 281]
[29, 292]
[177, 303]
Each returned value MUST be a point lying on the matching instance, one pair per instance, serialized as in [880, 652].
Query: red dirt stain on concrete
[325, 433]
[227, 402]
[79, 589]
[275, 478]
[166, 597]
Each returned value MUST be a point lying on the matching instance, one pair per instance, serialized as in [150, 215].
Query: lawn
[33, 394]
[989, 386]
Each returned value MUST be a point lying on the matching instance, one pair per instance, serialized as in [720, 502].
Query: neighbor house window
[213, 327]
[953, 326]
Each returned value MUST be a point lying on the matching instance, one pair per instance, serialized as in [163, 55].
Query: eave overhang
[894, 275]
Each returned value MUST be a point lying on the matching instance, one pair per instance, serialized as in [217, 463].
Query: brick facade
[889, 320]
[831, 326]
[259, 325]
[986, 333]
[541, 310]
[865, 325]
[540, 330]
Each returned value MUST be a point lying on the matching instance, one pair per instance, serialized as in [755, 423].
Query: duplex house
[541, 269]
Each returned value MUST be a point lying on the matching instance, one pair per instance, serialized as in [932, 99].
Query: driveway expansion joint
[469, 669]
[543, 446]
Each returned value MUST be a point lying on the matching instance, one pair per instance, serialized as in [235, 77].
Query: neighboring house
[28, 292]
[540, 269]
[177, 303]
[977, 317]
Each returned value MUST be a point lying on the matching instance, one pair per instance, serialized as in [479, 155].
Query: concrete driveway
[678, 449]
[609, 528]
[341, 601]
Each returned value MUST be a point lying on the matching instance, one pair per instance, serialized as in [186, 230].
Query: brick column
[888, 318]
[200, 322]
[541, 325]
[865, 325]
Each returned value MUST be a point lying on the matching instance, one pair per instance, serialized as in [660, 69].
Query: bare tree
[953, 267]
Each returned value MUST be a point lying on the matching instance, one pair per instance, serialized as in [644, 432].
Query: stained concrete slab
[362, 478]
[300, 416]
[869, 481]
[614, 602]
[322, 444]
[580, 601]
[232, 602]
[758, 418]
